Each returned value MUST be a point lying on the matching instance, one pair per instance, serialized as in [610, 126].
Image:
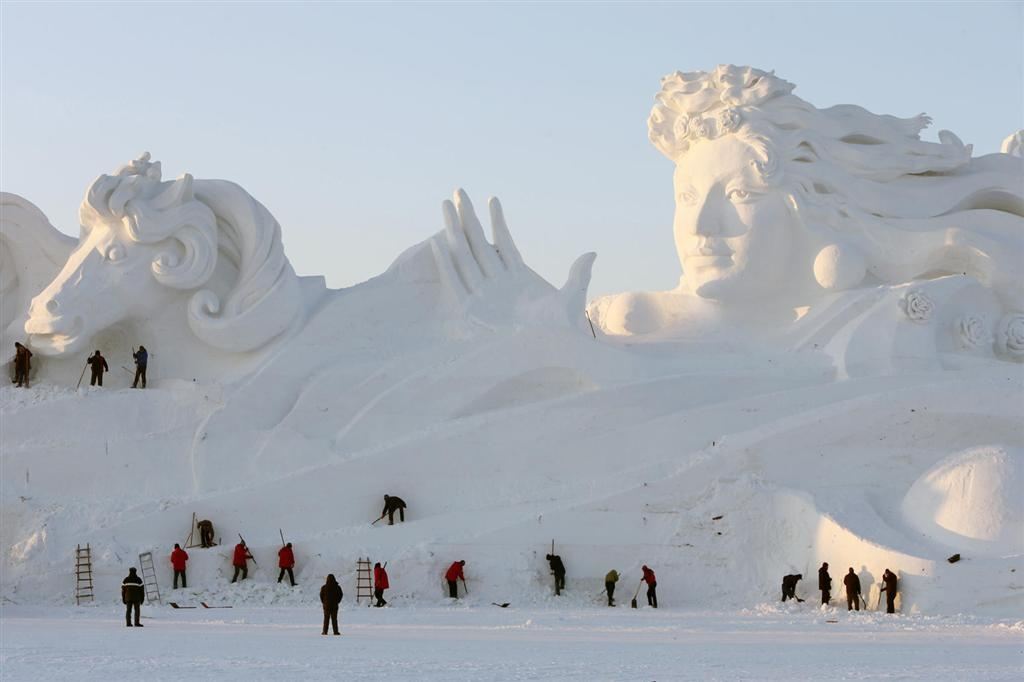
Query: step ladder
[83, 574]
[149, 577]
[364, 583]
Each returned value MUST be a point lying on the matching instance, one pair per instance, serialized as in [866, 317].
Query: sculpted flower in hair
[917, 306]
[1010, 336]
[969, 332]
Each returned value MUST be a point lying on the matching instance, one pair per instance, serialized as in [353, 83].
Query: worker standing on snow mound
[99, 366]
[610, 579]
[391, 505]
[132, 594]
[380, 583]
[453, 575]
[330, 598]
[178, 559]
[852, 583]
[240, 561]
[824, 583]
[286, 562]
[652, 584]
[141, 360]
[789, 586]
[205, 533]
[889, 587]
[558, 568]
[22, 364]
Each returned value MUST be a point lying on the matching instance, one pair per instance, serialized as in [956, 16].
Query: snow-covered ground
[768, 642]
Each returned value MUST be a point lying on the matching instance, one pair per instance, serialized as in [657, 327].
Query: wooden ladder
[83, 574]
[364, 583]
[149, 577]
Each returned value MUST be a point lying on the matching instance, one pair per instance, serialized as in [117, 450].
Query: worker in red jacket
[240, 561]
[652, 584]
[455, 573]
[286, 562]
[380, 583]
[178, 559]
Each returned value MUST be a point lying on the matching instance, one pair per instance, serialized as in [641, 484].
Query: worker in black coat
[852, 584]
[889, 587]
[330, 598]
[558, 568]
[824, 583]
[789, 586]
[99, 366]
[393, 504]
[132, 594]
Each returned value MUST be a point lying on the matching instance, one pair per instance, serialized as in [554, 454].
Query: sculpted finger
[574, 292]
[506, 248]
[465, 263]
[488, 260]
[450, 279]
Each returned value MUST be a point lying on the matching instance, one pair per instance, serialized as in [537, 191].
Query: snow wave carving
[144, 241]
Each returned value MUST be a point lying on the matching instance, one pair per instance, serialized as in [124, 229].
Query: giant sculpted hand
[491, 282]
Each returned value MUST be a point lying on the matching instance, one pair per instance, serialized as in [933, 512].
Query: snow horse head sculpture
[776, 198]
[145, 243]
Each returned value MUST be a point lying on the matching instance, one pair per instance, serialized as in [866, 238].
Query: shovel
[504, 605]
[636, 594]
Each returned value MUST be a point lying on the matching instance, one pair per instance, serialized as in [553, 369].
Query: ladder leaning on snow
[364, 585]
[149, 577]
[83, 574]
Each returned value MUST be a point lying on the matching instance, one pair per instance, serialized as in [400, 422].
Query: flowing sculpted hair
[201, 227]
[867, 182]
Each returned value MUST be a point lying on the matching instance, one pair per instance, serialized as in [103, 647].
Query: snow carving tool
[375, 522]
[636, 594]
[465, 586]
[247, 550]
[81, 376]
[176, 605]
[207, 606]
[502, 605]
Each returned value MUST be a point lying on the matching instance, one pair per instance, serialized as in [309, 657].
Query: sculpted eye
[115, 252]
[688, 196]
[739, 196]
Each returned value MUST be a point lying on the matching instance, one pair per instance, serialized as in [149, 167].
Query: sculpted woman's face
[734, 233]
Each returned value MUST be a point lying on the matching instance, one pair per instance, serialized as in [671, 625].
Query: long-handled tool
[175, 605]
[281, 532]
[636, 594]
[464, 586]
[503, 605]
[381, 517]
[81, 376]
[207, 606]
[247, 550]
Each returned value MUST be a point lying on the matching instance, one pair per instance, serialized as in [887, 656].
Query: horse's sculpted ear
[176, 193]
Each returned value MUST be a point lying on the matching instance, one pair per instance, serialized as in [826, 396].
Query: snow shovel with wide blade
[636, 594]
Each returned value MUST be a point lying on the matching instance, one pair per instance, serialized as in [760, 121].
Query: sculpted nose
[707, 223]
[52, 306]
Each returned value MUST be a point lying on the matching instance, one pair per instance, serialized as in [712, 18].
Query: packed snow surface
[765, 642]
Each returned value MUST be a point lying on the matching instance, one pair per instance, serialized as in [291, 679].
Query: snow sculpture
[32, 251]
[144, 242]
[781, 208]
[490, 281]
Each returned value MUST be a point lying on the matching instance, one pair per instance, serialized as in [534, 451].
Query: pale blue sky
[351, 122]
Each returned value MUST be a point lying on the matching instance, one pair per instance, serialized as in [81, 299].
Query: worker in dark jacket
[393, 504]
[205, 533]
[558, 568]
[240, 560]
[330, 598]
[179, 558]
[452, 575]
[141, 360]
[99, 366]
[652, 584]
[789, 586]
[132, 594]
[22, 364]
[889, 587]
[852, 584]
[610, 579]
[380, 583]
[286, 562]
[824, 583]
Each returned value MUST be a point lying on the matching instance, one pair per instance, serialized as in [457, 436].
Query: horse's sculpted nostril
[52, 306]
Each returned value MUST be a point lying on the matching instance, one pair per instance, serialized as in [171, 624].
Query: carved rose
[728, 119]
[917, 306]
[681, 128]
[703, 127]
[1010, 336]
[969, 332]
